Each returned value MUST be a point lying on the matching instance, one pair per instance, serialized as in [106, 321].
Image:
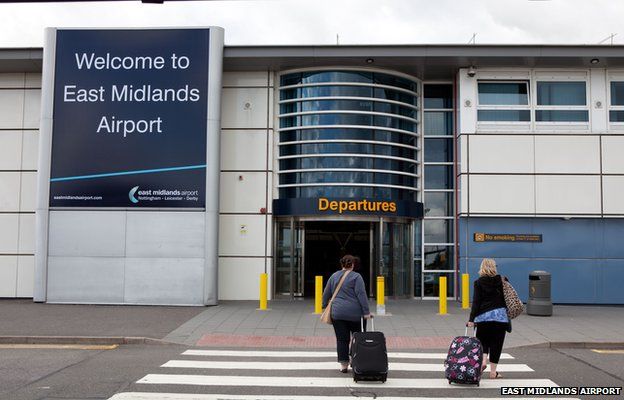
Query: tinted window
[504, 94]
[561, 94]
[504, 115]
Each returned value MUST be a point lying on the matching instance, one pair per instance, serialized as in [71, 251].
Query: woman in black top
[489, 313]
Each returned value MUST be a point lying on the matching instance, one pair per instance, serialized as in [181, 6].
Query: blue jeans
[343, 330]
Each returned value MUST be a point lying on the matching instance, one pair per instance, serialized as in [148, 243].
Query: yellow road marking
[608, 351]
[60, 346]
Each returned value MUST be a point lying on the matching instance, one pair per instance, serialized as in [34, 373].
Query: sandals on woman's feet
[483, 367]
[497, 376]
[344, 370]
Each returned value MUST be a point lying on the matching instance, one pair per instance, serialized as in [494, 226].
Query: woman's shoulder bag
[326, 315]
[512, 301]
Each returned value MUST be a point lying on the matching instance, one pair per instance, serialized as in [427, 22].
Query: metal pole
[318, 295]
[443, 295]
[465, 291]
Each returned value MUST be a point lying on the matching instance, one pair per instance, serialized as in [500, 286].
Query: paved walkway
[412, 324]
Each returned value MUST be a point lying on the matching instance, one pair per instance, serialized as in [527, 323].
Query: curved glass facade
[351, 134]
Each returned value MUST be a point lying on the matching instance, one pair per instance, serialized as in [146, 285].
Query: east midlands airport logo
[132, 193]
[135, 195]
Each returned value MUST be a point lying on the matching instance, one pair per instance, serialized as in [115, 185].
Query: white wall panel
[242, 196]
[26, 244]
[467, 102]
[269, 234]
[613, 194]
[501, 154]
[164, 280]
[28, 191]
[12, 80]
[598, 100]
[568, 194]
[613, 154]
[567, 154]
[239, 278]
[91, 279]
[10, 150]
[502, 194]
[241, 235]
[11, 109]
[9, 191]
[246, 78]
[463, 194]
[244, 108]
[32, 108]
[165, 234]
[25, 276]
[72, 233]
[244, 150]
[463, 153]
[8, 233]
[8, 275]
[30, 149]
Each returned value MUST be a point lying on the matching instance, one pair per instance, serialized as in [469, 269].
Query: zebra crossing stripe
[312, 354]
[187, 396]
[307, 382]
[325, 365]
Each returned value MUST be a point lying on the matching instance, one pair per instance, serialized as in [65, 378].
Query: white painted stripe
[324, 365]
[186, 396]
[311, 354]
[307, 382]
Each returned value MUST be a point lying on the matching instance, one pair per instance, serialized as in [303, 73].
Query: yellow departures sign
[356, 205]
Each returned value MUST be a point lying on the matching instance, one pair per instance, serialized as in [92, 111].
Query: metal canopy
[423, 61]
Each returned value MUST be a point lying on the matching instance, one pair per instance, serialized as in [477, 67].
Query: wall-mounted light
[594, 60]
[370, 60]
[472, 71]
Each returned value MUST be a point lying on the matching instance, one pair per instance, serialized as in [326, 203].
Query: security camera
[472, 71]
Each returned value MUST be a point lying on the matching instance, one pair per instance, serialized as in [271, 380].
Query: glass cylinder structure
[348, 134]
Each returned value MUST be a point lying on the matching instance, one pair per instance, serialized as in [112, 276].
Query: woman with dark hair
[349, 305]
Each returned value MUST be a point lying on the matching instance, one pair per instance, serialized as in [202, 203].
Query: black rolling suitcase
[463, 362]
[369, 356]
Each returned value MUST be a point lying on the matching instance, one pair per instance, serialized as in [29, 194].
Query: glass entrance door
[395, 263]
[289, 252]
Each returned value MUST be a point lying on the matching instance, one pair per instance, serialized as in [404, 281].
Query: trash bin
[540, 302]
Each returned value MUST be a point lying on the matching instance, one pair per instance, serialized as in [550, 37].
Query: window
[503, 102]
[616, 112]
[561, 101]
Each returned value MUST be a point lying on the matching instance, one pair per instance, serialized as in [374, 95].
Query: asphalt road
[34, 373]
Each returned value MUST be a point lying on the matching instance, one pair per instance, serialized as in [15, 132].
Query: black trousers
[492, 336]
[343, 330]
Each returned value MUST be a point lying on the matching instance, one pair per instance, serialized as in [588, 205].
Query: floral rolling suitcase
[463, 362]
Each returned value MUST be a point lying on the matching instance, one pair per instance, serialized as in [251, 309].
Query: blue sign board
[130, 118]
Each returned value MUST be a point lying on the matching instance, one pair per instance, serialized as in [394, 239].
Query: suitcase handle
[362, 323]
[474, 331]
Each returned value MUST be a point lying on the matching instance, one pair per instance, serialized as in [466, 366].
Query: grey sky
[318, 21]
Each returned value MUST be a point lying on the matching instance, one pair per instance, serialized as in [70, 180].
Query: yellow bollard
[465, 291]
[381, 296]
[264, 283]
[443, 295]
[318, 295]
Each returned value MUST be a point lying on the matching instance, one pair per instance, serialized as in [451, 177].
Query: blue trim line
[141, 171]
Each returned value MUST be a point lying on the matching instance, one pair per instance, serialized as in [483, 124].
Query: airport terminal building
[126, 178]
